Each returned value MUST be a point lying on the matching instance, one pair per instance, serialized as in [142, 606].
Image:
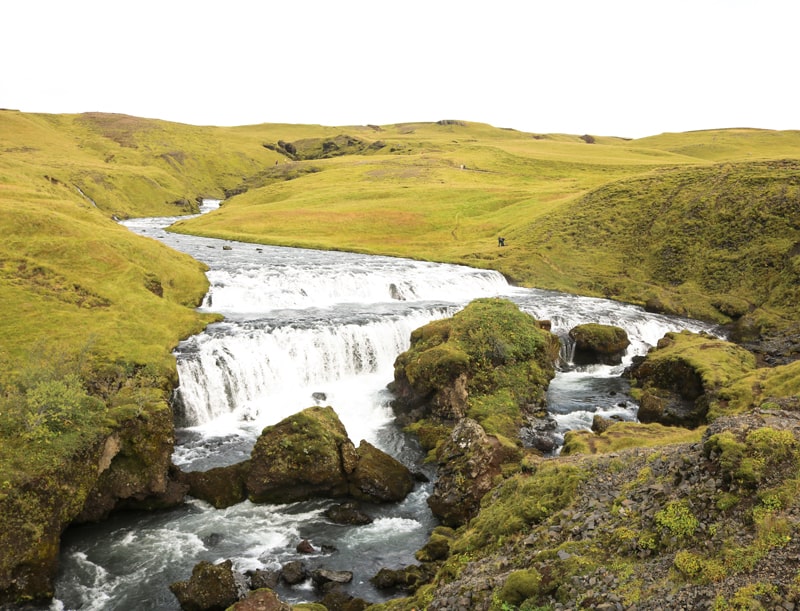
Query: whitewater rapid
[304, 327]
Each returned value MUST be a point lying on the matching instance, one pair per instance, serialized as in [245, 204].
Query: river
[301, 325]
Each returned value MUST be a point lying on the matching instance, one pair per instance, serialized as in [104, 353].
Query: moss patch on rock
[596, 343]
[490, 361]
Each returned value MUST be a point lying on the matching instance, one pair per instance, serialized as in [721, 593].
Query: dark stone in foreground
[212, 587]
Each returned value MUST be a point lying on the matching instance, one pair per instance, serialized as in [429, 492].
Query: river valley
[306, 327]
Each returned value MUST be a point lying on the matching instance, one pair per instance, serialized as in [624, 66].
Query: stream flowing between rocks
[302, 328]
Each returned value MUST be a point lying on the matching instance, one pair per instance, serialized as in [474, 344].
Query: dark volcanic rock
[468, 462]
[212, 587]
[294, 572]
[347, 513]
[221, 486]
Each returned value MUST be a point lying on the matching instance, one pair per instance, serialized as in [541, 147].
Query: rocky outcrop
[309, 455]
[490, 347]
[695, 524]
[468, 463]
[471, 386]
[596, 343]
[128, 467]
[678, 381]
[134, 468]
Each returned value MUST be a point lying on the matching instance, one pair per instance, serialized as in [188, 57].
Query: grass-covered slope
[89, 315]
[704, 223]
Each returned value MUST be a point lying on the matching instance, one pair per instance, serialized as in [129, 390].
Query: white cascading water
[305, 327]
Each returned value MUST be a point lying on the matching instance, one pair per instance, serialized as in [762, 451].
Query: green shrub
[697, 568]
[677, 520]
[520, 586]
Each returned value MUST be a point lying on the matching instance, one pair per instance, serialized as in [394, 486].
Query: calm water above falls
[299, 323]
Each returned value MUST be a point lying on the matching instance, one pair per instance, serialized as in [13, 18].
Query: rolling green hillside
[704, 223]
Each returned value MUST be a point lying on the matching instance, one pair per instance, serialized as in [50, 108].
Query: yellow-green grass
[126, 165]
[623, 435]
[68, 273]
[599, 219]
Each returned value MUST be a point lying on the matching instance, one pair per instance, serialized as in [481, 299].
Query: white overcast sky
[627, 68]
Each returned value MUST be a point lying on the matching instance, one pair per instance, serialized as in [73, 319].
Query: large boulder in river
[678, 382]
[490, 361]
[305, 455]
[309, 455]
[212, 587]
[220, 486]
[378, 476]
[595, 343]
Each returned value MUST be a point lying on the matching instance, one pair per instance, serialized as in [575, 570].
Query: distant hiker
[501, 241]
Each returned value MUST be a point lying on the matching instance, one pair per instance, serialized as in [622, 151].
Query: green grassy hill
[703, 223]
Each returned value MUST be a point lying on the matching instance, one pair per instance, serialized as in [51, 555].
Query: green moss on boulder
[309, 455]
[378, 476]
[596, 343]
[305, 455]
[686, 379]
[488, 347]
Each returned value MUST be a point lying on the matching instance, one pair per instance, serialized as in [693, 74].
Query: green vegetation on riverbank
[705, 224]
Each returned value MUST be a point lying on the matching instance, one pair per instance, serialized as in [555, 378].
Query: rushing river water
[299, 323]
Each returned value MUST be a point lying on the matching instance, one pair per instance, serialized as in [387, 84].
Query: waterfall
[303, 327]
[246, 370]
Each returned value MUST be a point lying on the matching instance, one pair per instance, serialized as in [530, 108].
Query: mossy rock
[468, 461]
[211, 586]
[378, 477]
[309, 455]
[489, 347]
[305, 455]
[220, 486]
[686, 379]
[263, 599]
[596, 343]
[437, 546]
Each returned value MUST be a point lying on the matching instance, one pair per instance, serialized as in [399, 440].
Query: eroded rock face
[596, 343]
[468, 462]
[134, 467]
[127, 468]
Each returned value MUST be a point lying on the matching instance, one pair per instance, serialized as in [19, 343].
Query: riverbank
[90, 315]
